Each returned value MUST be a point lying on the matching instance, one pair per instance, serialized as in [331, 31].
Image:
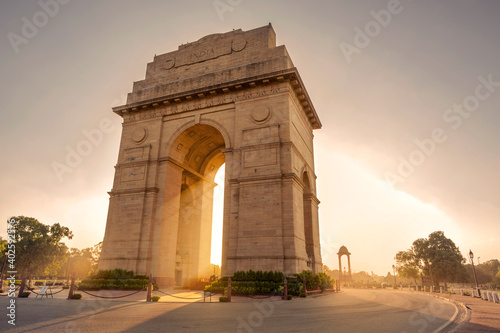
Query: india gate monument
[233, 98]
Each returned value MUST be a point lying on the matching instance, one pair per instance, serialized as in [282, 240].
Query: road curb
[464, 307]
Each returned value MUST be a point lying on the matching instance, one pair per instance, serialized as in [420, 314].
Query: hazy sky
[406, 92]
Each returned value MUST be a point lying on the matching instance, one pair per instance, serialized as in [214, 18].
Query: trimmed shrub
[295, 287]
[268, 282]
[289, 297]
[217, 287]
[115, 279]
[116, 273]
[122, 284]
[325, 281]
[155, 298]
[303, 295]
[271, 276]
[76, 296]
[223, 299]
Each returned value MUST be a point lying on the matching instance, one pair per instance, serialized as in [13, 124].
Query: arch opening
[197, 156]
[217, 222]
[346, 275]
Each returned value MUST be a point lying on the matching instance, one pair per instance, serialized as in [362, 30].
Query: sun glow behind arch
[217, 217]
[372, 219]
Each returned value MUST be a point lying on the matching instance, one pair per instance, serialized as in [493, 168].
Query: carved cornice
[291, 75]
[134, 191]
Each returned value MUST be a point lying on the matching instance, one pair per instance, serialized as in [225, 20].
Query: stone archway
[194, 158]
[344, 252]
[232, 98]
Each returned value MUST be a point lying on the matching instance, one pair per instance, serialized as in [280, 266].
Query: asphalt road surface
[349, 311]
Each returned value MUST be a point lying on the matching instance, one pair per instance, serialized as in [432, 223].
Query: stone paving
[484, 315]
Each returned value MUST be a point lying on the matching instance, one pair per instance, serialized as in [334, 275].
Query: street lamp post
[430, 271]
[394, 272]
[471, 256]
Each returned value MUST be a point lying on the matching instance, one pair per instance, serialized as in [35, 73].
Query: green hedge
[271, 276]
[96, 284]
[265, 283]
[319, 281]
[115, 279]
[248, 287]
[116, 274]
[294, 287]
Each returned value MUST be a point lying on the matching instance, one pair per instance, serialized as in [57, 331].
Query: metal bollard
[285, 294]
[150, 287]
[461, 291]
[72, 286]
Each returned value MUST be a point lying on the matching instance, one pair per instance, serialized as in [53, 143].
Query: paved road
[349, 311]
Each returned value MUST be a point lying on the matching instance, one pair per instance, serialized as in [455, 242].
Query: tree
[408, 265]
[39, 249]
[78, 262]
[490, 269]
[436, 256]
[361, 276]
[81, 262]
[95, 252]
[496, 279]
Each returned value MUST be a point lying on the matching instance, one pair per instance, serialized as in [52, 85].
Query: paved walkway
[484, 315]
[351, 311]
